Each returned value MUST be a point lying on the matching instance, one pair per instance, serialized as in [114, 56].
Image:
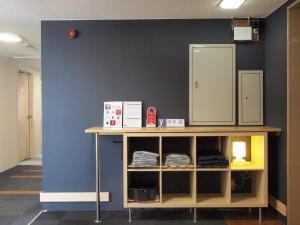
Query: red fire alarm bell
[72, 33]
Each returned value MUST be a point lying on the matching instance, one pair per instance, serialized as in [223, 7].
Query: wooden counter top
[213, 129]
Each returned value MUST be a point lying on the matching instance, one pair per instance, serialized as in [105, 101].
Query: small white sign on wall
[132, 116]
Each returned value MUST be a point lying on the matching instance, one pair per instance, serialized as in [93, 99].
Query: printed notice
[132, 114]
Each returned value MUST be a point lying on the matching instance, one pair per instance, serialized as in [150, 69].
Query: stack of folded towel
[212, 158]
[177, 160]
[144, 159]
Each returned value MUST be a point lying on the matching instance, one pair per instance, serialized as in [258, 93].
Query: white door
[24, 116]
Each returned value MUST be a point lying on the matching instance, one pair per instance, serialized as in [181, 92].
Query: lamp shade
[239, 150]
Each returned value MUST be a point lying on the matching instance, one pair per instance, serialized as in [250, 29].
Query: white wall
[9, 156]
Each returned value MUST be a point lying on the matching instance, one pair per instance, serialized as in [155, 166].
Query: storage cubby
[178, 187]
[255, 152]
[248, 187]
[143, 187]
[178, 145]
[207, 146]
[193, 186]
[213, 188]
[150, 144]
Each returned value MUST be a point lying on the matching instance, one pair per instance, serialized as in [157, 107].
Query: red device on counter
[151, 117]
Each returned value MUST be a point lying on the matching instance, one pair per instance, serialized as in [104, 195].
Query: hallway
[19, 194]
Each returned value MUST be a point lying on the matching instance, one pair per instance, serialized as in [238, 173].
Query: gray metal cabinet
[212, 84]
[251, 97]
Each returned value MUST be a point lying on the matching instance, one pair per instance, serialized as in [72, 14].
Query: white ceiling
[23, 16]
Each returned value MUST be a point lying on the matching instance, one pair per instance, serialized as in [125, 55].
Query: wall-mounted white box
[251, 97]
[242, 33]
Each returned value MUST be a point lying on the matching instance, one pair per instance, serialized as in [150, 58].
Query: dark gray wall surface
[115, 60]
[276, 97]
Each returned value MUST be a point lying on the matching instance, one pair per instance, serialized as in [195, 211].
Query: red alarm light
[72, 33]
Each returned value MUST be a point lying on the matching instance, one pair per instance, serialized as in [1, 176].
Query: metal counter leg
[129, 215]
[98, 218]
[260, 215]
[195, 215]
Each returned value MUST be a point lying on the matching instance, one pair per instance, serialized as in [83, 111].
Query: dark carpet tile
[88, 215]
[18, 209]
[140, 217]
[8, 183]
[24, 219]
[53, 216]
[8, 208]
[49, 222]
[18, 170]
[7, 220]
[20, 184]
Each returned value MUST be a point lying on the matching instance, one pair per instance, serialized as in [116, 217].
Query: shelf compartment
[178, 145]
[178, 168]
[256, 146]
[213, 188]
[144, 143]
[137, 169]
[178, 198]
[143, 180]
[252, 191]
[212, 169]
[178, 187]
[210, 145]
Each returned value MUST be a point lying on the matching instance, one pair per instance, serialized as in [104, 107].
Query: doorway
[293, 112]
[24, 115]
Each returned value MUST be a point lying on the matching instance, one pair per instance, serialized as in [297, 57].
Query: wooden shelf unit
[179, 187]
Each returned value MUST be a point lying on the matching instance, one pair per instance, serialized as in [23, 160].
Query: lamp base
[240, 162]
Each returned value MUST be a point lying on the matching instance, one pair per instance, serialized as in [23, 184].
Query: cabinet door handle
[196, 84]
[246, 97]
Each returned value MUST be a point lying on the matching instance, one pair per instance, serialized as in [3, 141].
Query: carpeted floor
[21, 178]
[141, 217]
[19, 195]
[19, 204]
[161, 217]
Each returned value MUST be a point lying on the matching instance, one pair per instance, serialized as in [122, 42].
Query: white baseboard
[73, 196]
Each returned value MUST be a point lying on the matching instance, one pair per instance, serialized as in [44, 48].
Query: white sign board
[132, 116]
[112, 116]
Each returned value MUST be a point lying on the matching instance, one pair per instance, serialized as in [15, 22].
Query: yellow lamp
[239, 152]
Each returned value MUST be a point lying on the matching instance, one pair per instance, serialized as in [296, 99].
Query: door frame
[291, 195]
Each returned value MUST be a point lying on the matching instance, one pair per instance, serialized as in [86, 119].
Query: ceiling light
[231, 4]
[9, 37]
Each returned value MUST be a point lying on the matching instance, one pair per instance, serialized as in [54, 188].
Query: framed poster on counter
[113, 114]
[132, 114]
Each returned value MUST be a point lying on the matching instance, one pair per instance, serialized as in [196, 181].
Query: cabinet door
[212, 85]
[251, 97]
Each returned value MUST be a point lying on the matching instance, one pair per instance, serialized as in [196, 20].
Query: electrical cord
[245, 176]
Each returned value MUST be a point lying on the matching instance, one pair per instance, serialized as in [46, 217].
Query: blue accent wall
[116, 60]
